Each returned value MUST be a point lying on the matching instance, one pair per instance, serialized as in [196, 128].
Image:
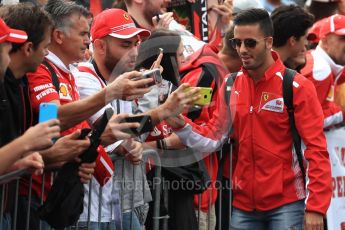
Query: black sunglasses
[248, 42]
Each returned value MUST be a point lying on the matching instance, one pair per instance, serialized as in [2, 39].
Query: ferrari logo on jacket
[271, 102]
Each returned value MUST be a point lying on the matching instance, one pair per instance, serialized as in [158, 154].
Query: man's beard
[149, 13]
[115, 66]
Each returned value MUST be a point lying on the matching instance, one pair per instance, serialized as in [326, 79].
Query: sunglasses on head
[248, 42]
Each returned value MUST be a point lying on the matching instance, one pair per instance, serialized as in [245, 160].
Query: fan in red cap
[116, 23]
[11, 35]
[314, 32]
[334, 24]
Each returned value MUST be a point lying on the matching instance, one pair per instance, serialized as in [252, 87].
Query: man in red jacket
[268, 187]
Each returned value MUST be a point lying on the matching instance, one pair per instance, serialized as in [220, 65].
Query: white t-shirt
[88, 85]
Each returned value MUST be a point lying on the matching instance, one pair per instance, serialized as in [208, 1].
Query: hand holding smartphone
[155, 74]
[144, 121]
[205, 95]
[84, 132]
[47, 111]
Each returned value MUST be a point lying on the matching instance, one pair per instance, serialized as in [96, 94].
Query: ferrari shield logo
[271, 102]
[126, 16]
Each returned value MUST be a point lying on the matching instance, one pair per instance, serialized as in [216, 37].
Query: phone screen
[48, 111]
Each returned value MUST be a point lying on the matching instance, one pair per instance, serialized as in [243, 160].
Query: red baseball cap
[314, 32]
[11, 35]
[334, 24]
[116, 23]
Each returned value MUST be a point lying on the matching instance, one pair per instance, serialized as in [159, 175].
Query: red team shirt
[42, 90]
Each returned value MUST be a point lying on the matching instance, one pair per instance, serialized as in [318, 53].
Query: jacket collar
[93, 66]
[277, 69]
[58, 63]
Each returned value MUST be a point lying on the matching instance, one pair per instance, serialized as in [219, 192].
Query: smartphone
[145, 122]
[47, 111]
[90, 154]
[205, 95]
[84, 133]
[155, 74]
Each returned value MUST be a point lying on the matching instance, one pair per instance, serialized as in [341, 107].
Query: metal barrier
[207, 216]
[147, 153]
[12, 180]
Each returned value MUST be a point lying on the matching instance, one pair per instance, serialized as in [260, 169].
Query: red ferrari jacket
[267, 175]
[325, 74]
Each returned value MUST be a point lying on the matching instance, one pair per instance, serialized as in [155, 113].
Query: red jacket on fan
[325, 74]
[267, 174]
[193, 69]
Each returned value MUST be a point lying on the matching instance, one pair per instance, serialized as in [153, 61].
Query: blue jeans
[286, 217]
[95, 226]
[6, 222]
[126, 224]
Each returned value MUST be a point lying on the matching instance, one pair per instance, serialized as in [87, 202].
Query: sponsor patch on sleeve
[64, 92]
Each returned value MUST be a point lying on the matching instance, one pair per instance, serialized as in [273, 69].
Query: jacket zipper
[23, 127]
[251, 110]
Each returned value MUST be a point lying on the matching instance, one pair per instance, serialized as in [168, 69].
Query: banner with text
[336, 148]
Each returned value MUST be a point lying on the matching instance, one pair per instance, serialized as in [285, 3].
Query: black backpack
[288, 100]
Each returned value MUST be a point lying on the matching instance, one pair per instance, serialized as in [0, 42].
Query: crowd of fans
[58, 51]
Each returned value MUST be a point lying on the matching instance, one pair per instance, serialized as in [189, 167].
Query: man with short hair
[19, 153]
[70, 39]
[16, 151]
[114, 53]
[325, 67]
[268, 189]
[8, 36]
[291, 25]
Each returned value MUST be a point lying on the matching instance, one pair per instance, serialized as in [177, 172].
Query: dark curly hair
[255, 16]
[290, 21]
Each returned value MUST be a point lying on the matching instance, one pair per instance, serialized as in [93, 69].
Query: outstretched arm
[34, 139]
